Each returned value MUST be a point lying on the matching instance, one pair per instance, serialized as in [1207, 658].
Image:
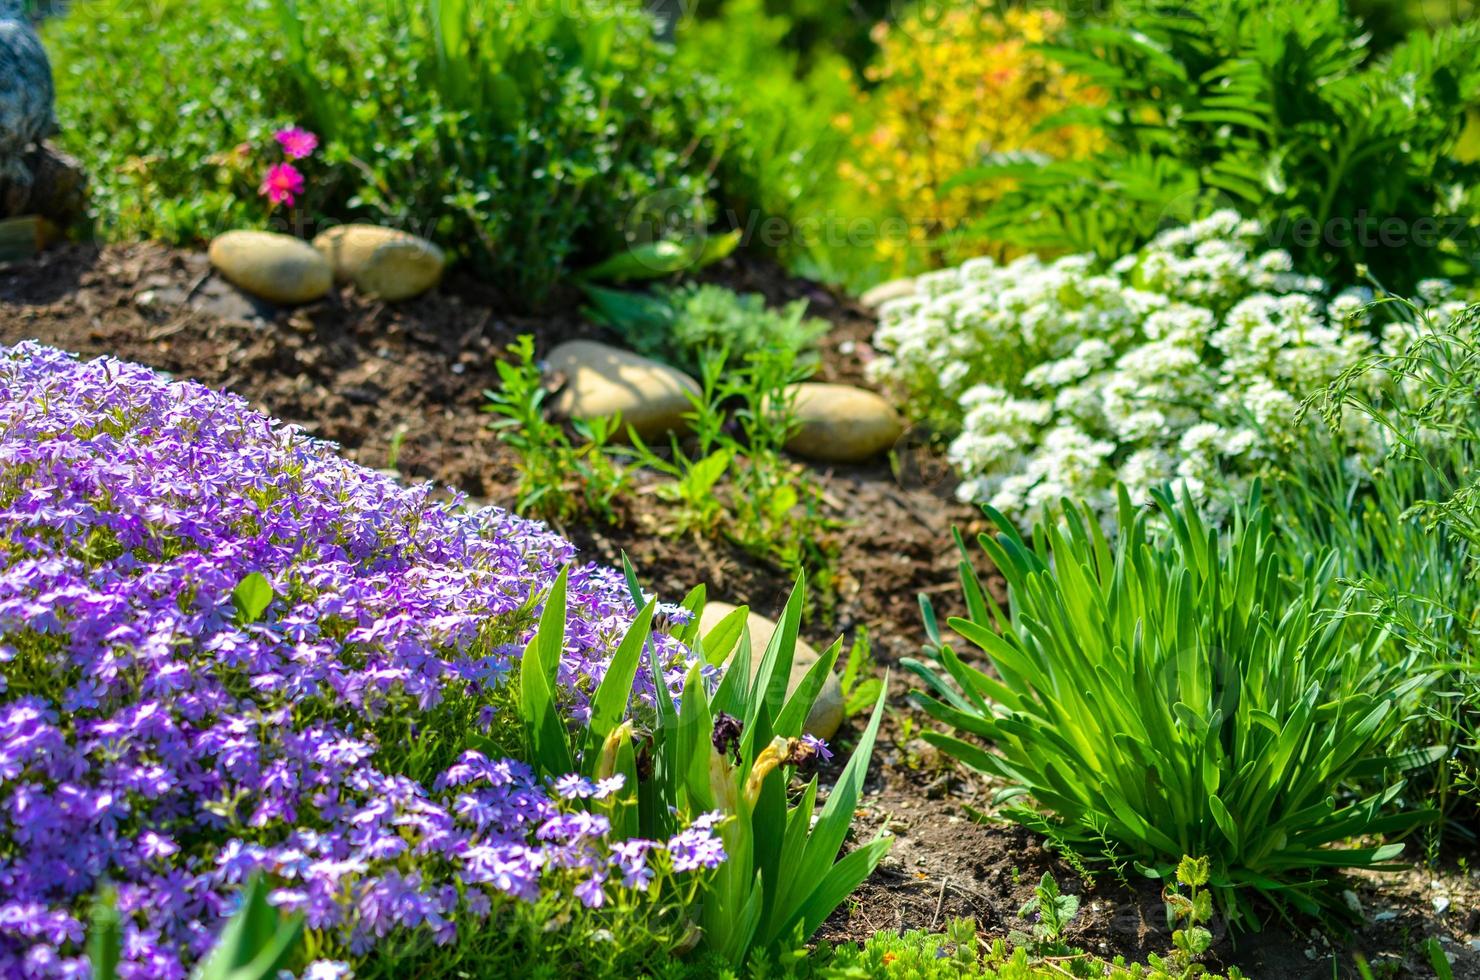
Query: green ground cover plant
[1037, 952]
[684, 324]
[1181, 690]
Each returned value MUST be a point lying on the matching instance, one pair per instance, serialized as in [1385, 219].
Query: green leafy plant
[1277, 109]
[662, 258]
[1189, 914]
[959, 952]
[1182, 691]
[515, 134]
[860, 687]
[730, 749]
[685, 324]
[558, 477]
[251, 597]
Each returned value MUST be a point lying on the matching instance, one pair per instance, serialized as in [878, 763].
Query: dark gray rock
[27, 99]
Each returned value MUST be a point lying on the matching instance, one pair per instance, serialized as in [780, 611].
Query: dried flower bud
[770, 758]
[726, 735]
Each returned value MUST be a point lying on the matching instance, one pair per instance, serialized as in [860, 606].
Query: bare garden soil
[370, 376]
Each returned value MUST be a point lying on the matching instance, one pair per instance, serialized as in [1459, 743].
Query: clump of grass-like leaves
[1181, 690]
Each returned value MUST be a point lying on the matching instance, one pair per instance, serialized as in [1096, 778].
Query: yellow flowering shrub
[952, 84]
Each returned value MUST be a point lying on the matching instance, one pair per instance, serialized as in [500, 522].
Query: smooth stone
[841, 423]
[382, 262]
[827, 712]
[885, 291]
[602, 381]
[278, 268]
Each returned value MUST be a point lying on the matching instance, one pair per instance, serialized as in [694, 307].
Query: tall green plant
[730, 749]
[1180, 691]
[1278, 109]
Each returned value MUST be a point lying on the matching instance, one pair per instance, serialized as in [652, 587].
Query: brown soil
[367, 375]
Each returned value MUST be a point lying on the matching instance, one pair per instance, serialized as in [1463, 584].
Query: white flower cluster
[1182, 363]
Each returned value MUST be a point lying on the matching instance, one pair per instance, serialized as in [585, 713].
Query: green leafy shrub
[143, 101]
[815, 30]
[1278, 109]
[684, 324]
[523, 135]
[1182, 691]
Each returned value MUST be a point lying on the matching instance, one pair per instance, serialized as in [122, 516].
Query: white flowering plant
[1184, 362]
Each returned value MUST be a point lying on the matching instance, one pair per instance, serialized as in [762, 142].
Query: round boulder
[598, 381]
[278, 268]
[827, 711]
[884, 292]
[841, 423]
[382, 262]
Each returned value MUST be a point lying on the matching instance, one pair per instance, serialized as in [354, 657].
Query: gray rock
[383, 262]
[279, 268]
[842, 424]
[597, 381]
[27, 97]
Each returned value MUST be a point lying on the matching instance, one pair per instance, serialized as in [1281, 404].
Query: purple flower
[696, 848]
[186, 751]
[592, 891]
[573, 787]
[818, 746]
[611, 784]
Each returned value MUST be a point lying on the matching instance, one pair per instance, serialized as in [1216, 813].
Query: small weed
[1050, 912]
[558, 477]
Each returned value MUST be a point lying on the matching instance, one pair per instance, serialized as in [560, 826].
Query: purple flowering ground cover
[152, 738]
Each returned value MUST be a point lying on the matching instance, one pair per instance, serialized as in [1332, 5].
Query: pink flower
[296, 143]
[282, 185]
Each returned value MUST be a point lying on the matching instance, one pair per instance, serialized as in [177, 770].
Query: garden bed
[402, 387]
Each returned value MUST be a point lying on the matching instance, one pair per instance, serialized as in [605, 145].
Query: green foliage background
[522, 136]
